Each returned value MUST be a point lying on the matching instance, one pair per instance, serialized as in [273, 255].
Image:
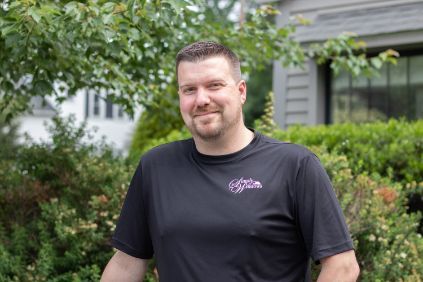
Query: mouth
[205, 114]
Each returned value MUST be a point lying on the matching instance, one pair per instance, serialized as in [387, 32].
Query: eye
[188, 90]
[215, 85]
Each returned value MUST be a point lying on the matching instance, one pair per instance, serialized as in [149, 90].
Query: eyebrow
[185, 85]
[208, 82]
[217, 80]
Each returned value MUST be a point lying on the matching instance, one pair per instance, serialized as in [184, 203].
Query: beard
[218, 126]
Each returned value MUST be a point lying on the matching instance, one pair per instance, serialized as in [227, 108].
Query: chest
[215, 203]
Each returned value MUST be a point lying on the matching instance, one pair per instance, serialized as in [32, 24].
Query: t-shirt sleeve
[132, 235]
[319, 214]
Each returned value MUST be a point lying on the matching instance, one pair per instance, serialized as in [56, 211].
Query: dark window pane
[96, 106]
[109, 109]
[120, 112]
[87, 104]
[359, 99]
[379, 95]
[416, 86]
[398, 94]
[340, 98]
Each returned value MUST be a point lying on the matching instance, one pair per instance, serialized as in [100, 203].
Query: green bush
[8, 138]
[393, 149]
[59, 204]
[174, 135]
[388, 246]
[156, 121]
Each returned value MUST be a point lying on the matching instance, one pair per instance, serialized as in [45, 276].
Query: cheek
[185, 105]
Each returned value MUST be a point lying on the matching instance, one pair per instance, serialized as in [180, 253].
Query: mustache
[205, 110]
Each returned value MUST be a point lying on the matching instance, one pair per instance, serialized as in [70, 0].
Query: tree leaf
[42, 87]
[33, 12]
[376, 62]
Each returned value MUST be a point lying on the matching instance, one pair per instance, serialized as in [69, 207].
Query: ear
[242, 88]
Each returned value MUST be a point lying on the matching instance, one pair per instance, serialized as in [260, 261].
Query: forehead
[208, 69]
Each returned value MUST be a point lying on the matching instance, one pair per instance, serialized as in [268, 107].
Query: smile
[205, 114]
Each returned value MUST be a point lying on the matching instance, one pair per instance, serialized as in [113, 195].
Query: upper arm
[339, 267]
[318, 213]
[132, 233]
[125, 268]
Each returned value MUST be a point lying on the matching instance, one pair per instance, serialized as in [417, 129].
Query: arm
[342, 267]
[125, 268]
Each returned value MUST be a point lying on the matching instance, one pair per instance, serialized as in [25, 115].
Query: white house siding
[34, 126]
[300, 93]
[297, 96]
[116, 131]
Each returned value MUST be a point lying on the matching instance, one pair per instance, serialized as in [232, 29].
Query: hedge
[393, 148]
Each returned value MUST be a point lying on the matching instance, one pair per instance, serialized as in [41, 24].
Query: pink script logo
[238, 185]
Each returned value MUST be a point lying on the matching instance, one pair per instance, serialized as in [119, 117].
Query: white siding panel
[296, 81]
[296, 118]
[298, 93]
[296, 106]
[298, 70]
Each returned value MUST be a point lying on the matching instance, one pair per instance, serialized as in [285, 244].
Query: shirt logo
[238, 185]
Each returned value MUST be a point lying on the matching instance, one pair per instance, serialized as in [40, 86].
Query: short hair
[202, 50]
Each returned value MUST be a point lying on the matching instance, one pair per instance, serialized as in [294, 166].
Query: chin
[207, 132]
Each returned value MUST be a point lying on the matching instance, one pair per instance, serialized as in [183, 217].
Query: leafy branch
[128, 47]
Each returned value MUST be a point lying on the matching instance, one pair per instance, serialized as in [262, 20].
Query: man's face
[210, 99]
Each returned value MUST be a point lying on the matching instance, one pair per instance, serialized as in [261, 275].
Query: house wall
[116, 131]
[300, 93]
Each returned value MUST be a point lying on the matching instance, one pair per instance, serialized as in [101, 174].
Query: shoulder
[168, 152]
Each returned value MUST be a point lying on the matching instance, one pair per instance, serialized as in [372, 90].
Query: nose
[202, 98]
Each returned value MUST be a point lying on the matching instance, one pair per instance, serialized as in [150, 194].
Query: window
[109, 109]
[96, 106]
[397, 92]
[120, 111]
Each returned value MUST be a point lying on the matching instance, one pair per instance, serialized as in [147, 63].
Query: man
[229, 204]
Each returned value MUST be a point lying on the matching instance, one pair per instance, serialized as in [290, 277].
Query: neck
[228, 143]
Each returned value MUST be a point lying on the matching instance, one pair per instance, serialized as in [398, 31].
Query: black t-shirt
[257, 215]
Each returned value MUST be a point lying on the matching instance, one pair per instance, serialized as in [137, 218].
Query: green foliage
[346, 53]
[387, 244]
[259, 83]
[174, 135]
[156, 121]
[128, 47]
[8, 139]
[393, 149]
[59, 203]
[266, 123]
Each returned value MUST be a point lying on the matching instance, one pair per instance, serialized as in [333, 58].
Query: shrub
[174, 135]
[393, 149]
[266, 124]
[156, 121]
[8, 138]
[59, 204]
[387, 244]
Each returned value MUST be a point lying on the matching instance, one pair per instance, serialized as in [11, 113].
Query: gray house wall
[300, 93]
